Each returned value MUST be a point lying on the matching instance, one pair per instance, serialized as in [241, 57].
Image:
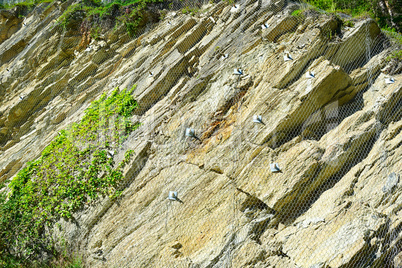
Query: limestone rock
[336, 136]
[10, 24]
[349, 51]
[392, 182]
[398, 261]
[280, 27]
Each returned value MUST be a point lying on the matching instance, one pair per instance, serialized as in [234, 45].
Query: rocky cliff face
[330, 119]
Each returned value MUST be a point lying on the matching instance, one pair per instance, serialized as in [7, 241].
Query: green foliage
[76, 263]
[59, 262]
[68, 14]
[163, 14]
[395, 55]
[64, 261]
[128, 13]
[393, 35]
[95, 32]
[358, 9]
[354, 8]
[7, 261]
[100, 10]
[349, 23]
[132, 21]
[74, 170]
[189, 10]
[25, 5]
[298, 13]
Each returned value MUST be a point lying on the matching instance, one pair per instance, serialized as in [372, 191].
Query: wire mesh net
[249, 134]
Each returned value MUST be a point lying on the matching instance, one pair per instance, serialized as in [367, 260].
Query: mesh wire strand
[179, 92]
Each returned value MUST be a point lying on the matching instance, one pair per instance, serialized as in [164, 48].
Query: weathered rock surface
[336, 137]
[9, 24]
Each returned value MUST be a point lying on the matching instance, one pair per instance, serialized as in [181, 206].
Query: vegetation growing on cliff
[353, 8]
[94, 15]
[74, 170]
[359, 8]
[131, 12]
[24, 7]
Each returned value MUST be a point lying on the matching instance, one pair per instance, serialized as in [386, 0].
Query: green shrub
[395, 55]
[95, 32]
[68, 14]
[25, 5]
[72, 171]
[128, 13]
[298, 14]
[355, 7]
[349, 23]
[393, 35]
[189, 10]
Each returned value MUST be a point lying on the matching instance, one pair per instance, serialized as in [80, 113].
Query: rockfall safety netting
[250, 134]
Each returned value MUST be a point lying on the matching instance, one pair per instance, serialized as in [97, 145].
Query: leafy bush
[395, 55]
[94, 12]
[298, 13]
[68, 14]
[355, 7]
[74, 170]
[349, 23]
[25, 5]
[394, 36]
[360, 8]
[189, 10]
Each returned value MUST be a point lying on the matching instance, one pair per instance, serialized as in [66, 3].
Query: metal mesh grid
[258, 129]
